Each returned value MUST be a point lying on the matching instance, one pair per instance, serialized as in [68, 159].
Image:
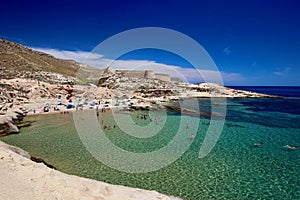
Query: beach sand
[21, 178]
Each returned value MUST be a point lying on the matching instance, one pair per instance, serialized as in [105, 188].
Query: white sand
[21, 178]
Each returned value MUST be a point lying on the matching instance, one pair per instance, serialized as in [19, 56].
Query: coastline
[35, 84]
[36, 181]
[15, 165]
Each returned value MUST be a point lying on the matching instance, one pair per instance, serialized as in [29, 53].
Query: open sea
[234, 169]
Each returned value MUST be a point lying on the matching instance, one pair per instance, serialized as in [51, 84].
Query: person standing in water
[192, 136]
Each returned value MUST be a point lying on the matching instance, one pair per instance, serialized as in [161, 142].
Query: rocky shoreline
[25, 96]
[10, 123]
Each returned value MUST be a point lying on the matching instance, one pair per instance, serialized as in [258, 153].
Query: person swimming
[291, 147]
[259, 144]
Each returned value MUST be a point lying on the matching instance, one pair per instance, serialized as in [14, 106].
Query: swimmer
[292, 147]
[259, 144]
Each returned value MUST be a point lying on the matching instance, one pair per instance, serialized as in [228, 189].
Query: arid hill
[18, 61]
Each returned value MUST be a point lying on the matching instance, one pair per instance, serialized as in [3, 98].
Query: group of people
[145, 117]
[108, 127]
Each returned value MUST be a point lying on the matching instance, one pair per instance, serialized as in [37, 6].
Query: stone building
[149, 74]
[163, 77]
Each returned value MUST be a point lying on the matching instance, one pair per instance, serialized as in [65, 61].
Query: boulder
[12, 128]
[7, 125]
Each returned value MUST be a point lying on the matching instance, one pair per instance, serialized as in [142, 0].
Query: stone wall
[143, 74]
[131, 73]
[176, 79]
[163, 77]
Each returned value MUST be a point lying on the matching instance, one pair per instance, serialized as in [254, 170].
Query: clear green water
[235, 169]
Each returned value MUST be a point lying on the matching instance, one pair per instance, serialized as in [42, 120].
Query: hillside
[18, 61]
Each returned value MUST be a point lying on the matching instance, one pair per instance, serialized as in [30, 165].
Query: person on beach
[46, 108]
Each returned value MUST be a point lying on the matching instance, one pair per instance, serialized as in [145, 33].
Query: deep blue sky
[259, 40]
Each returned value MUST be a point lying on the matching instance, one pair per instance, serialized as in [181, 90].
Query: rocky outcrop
[14, 149]
[7, 128]
[217, 90]
[11, 122]
[21, 178]
[14, 93]
[194, 113]
[149, 93]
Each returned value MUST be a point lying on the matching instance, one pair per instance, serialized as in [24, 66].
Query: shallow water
[234, 169]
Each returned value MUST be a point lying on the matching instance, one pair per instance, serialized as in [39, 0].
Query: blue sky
[251, 42]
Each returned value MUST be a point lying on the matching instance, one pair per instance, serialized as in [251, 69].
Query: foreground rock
[21, 178]
[7, 125]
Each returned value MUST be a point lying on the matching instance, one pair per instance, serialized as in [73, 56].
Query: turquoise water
[234, 169]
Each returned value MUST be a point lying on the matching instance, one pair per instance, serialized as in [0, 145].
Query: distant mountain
[18, 61]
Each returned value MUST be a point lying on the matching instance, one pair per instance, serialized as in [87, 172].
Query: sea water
[234, 169]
